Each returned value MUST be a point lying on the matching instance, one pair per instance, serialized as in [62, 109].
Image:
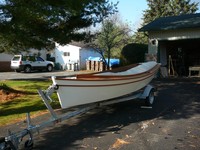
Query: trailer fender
[147, 91]
[148, 95]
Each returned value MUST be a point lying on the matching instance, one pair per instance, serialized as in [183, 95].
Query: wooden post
[88, 65]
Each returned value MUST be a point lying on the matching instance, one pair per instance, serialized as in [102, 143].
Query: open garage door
[181, 55]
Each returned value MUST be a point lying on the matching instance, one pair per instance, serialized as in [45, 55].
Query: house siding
[175, 34]
[65, 60]
[171, 35]
[77, 55]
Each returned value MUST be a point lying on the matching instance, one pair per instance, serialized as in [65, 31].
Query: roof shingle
[173, 22]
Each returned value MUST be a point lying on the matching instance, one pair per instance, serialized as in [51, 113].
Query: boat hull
[74, 92]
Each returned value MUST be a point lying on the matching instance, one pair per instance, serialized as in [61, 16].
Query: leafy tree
[112, 36]
[164, 8]
[40, 23]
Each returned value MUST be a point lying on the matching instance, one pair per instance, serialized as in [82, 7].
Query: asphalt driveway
[36, 75]
[172, 123]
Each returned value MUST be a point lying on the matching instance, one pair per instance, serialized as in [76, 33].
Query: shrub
[133, 53]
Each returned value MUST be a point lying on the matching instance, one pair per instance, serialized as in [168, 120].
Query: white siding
[76, 55]
[175, 34]
[64, 60]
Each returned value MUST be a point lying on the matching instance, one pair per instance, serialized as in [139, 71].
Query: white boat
[96, 87]
[85, 89]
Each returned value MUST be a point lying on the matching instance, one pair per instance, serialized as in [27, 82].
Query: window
[16, 58]
[39, 59]
[66, 53]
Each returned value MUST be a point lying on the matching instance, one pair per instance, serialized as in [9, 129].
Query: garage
[175, 41]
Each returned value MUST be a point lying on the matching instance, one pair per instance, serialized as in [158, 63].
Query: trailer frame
[13, 140]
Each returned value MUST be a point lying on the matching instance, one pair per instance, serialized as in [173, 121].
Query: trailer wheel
[150, 98]
[28, 144]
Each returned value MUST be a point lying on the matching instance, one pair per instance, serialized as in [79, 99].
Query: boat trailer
[13, 140]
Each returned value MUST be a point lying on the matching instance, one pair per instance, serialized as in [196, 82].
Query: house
[174, 42]
[70, 57]
[73, 56]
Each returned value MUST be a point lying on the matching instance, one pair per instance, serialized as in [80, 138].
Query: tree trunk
[108, 64]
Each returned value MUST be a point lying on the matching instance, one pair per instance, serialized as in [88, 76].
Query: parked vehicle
[29, 63]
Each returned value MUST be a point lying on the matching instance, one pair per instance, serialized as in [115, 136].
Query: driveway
[36, 75]
[172, 123]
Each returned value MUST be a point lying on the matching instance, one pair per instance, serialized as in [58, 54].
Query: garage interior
[179, 56]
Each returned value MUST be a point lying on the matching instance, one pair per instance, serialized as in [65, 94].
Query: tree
[164, 8]
[133, 53]
[40, 23]
[112, 36]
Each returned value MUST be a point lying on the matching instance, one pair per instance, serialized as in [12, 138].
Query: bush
[58, 66]
[133, 53]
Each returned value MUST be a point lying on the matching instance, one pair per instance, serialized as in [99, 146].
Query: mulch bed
[7, 94]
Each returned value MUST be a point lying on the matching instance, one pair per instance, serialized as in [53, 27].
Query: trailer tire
[150, 99]
[28, 144]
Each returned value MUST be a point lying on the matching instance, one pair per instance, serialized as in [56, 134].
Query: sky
[131, 11]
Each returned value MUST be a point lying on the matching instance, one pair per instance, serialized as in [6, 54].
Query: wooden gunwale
[105, 85]
[94, 77]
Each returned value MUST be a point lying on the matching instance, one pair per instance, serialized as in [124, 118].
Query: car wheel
[49, 68]
[27, 69]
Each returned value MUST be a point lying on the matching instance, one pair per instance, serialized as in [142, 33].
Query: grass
[15, 109]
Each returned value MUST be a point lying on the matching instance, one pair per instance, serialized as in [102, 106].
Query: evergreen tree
[164, 8]
[40, 23]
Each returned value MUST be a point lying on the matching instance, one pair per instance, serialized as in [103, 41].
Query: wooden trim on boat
[98, 77]
[104, 85]
[85, 76]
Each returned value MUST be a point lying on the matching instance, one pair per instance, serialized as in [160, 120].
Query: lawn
[19, 97]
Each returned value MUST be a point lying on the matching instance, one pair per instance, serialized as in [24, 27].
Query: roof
[173, 22]
[80, 44]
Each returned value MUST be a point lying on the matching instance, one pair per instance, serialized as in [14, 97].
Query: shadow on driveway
[177, 99]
